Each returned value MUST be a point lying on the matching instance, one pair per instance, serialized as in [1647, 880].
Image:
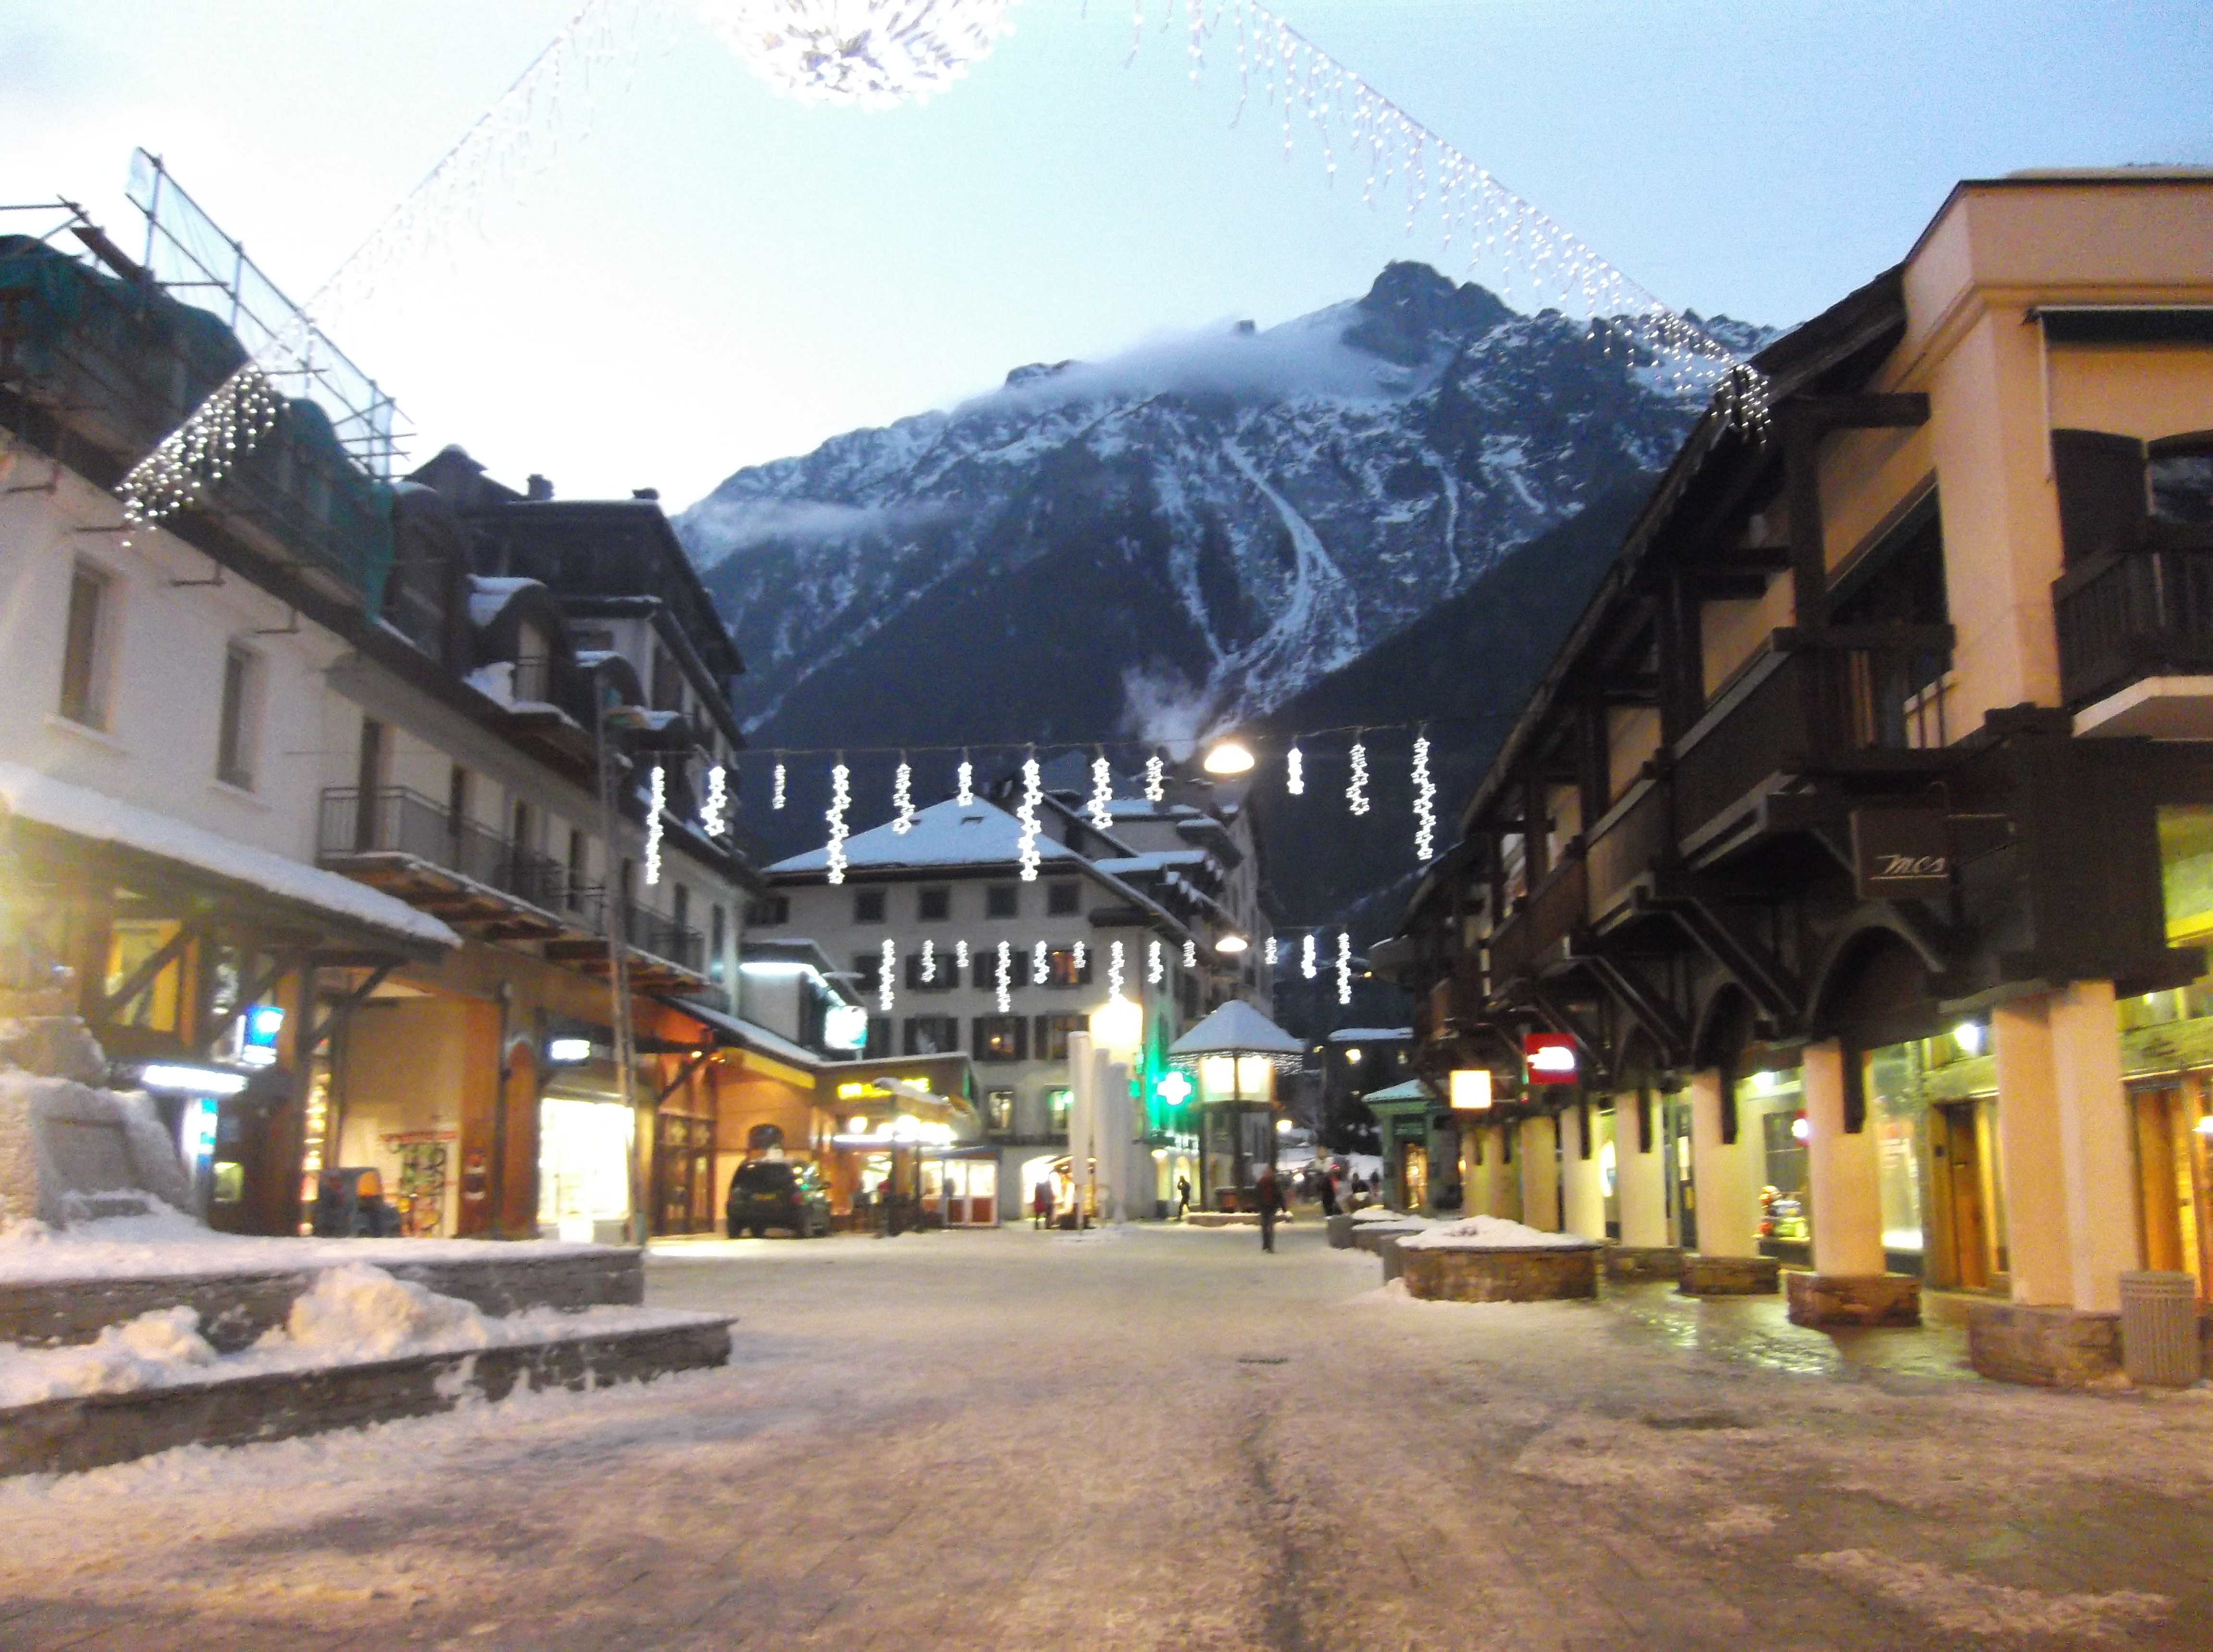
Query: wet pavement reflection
[1756, 1331]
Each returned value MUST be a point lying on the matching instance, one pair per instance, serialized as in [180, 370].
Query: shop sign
[1551, 1058]
[1901, 853]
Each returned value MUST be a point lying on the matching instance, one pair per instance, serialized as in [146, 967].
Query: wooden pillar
[517, 1217]
[1536, 1153]
[275, 1197]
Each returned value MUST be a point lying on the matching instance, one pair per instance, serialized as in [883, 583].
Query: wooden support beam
[148, 970]
[351, 1002]
[698, 1058]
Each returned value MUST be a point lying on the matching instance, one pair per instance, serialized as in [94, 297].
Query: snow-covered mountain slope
[1191, 532]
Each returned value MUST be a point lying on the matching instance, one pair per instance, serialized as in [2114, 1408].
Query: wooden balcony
[1536, 935]
[1863, 700]
[1631, 841]
[2141, 613]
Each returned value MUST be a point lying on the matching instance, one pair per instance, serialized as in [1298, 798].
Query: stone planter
[1819, 1299]
[1730, 1276]
[1633, 1263]
[1537, 1275]
[1369, 1235]
[1341, 1233]
[2049, 1347]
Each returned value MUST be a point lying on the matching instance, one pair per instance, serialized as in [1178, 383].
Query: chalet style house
[1858, 842]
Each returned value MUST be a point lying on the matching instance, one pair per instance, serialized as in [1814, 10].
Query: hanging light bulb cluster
[1037, 969]
[929, 966]
[1190, 954]
[1425, 803]
[1343, 967]
[885, 972]
[1080, 960]
[961, 957]
[657, 800]
[1005, 978]
[841, 797]
[1102, 793]
[1307, 964]
[1156, 962]
[715, 811]
[221, 431]
[776, 788]
[1300, 83]
[1294, 772]
[1356, 792]
[1272, 950]
[871, 54]
[1114, 969]
[965, 793]
[903, 798]
[1156, 780]
[1032, 795]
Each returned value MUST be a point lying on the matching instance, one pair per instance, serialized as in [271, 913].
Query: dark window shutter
[2100, 479]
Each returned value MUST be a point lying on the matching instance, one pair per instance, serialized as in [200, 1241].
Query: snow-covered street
[1163, 1438]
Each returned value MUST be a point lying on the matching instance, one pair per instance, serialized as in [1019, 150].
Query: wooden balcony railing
[1843, 696]
[2140, 614]
[1635, 836]
[1554, 910]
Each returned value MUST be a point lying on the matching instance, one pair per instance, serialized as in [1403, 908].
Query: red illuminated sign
[1551, 1058]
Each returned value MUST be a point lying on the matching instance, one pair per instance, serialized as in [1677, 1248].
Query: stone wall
[1530, 1276]
[1631, 1263]
[1819, 1299]
[2049, 1347]
[1728, 1276]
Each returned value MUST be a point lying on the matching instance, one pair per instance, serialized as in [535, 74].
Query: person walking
[1326, 1186]
[1042, 1204]
[1183, 1196]
[1271, 1200]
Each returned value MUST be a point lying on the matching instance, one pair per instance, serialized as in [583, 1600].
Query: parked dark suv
[773, 1193]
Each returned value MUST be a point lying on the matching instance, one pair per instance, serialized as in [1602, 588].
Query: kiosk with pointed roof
[1236, 1052]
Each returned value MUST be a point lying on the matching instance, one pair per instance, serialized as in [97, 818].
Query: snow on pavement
[1165, 1440]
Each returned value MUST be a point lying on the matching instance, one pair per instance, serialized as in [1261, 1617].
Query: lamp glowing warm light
[1283, 1127]
[1230, 943]
[1118, 1026]
[566, 1050]
[1352, 1055]
[1800, 1130]
[857, 1124]
[1968, 1035]
[1230, 756]
[1471, 1089]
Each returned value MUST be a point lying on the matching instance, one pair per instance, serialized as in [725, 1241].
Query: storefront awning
[44, 805]
[766, 1052]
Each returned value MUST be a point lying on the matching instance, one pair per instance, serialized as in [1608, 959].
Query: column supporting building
[1583, 1190]
[1850, 1283]
[1536, 1156]
[1728, 1261]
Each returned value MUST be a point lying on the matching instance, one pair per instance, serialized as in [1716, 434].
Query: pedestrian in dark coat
[1042, 1204]
[1328, 1191]
[1183, 1196]
[1271, 1199]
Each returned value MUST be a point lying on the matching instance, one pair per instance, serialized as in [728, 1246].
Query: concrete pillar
[1727, 1190]
[1537, 1154]
[2097, 1144]
[2028, 1154]
[1840, 1172]
[1505, 1174]
[1639, 1175]
[1583, 1194]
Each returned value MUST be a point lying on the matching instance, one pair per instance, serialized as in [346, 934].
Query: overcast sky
[711, 277]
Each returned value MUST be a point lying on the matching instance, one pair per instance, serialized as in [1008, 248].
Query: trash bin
[2159, 1329]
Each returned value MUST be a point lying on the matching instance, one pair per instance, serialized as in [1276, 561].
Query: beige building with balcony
[1861, 835]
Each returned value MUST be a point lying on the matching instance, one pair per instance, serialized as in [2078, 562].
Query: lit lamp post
[1118, 1034]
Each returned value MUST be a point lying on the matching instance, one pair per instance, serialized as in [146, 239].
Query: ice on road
[1162, 1438]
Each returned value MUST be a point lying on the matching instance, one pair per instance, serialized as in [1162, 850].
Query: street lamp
[1229, 756]
[1232, 943]
[1118, 1026]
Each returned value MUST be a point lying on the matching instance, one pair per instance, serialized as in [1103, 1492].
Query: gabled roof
[1237, 1028]
[1413, 1089]
[950, 834]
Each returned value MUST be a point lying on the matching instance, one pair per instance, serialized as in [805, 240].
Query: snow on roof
[1138, 808]
[488, 597]
[1237, 1027]
[752, 1034]
[1372, 1035]
[87, 813]
[1412, 1090]
[950, 834]
[1158, 860]
[1493, 1233]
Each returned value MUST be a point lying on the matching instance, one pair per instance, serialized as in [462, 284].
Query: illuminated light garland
[1038, 965]
[885, 972]
[1271, 952]
[841, 795]
[1081, 958]
[903, 798]
[1294, 772]
[1306, 966]
[1355, 794]
[1301, 83]
[1343, 967]
[928, 962]
[1156, 783]
[1425, 803]
[657, 800]
[1005, 979]
[1102, 793]
[870, 54]
[715, 813]
[965, 793]
[518, 136]
[1032, 795]
[1156, 962]
[776, 788]
[960, 956]
[1190, 954]
[1114, 969]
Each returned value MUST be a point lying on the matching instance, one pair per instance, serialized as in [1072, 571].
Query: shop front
[961, 1188]
[586, 1140]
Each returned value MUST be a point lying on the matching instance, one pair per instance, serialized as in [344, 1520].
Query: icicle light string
[1032, 795]
[1294, 772]
[1115, 969]
[1102, 793]
[965, 793]
[885, 971]
[1190, 954]
[928, 968]
[1425, 803]
[656, 802]
[903, 798]
[1307, 964]
[1156, 967]
[1081, 960]
[1356, 792]
[1300, 82]
[960, 956]
[777, 788]
[1004, 980]
[841, 795]
[1156, 782]
[715, 813]
[1038, 967]
[1343, 967]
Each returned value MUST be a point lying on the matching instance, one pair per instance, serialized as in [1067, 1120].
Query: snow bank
[1493, 1233]
[1384, 1213]
[148, 1351]
[358, 1313]
[168, 1242]
[63, 1143]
